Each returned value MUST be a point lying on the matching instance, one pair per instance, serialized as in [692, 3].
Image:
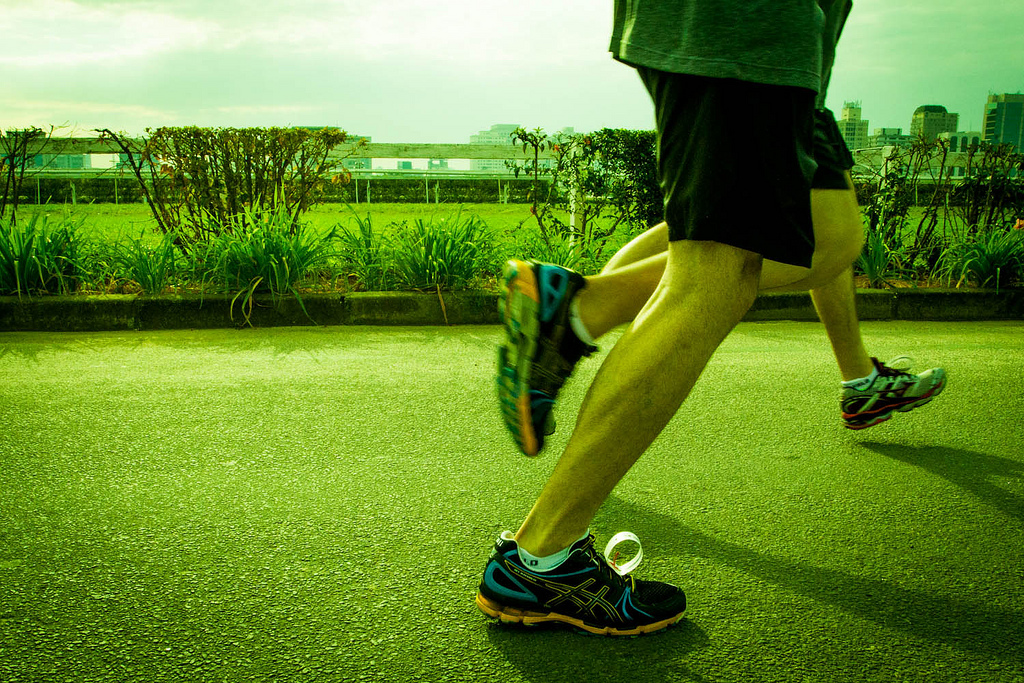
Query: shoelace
[900, 365]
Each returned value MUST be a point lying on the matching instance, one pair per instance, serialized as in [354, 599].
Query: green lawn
[111, 222]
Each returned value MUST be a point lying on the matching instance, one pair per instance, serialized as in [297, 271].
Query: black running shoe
[586, 591]
[541, 349]
[892, 390]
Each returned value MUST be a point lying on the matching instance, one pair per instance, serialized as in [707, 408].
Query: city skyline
[412, 71]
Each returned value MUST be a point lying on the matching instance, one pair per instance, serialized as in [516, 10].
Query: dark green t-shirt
[779, 42]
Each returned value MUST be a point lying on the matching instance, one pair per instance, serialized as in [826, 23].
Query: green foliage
[15, 152]
[586, 257]
[628, 161]
[610, 174]
[40, 258]
[557, 250]
[151, 268]
[982, 201]
[269, 253]
[991, 194]
[203, 182]
[445, 255]
[365, 254]
[987, 258]
[879, 261]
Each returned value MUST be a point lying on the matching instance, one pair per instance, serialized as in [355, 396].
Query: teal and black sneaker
[586, 591]
[540, 350]
[873, 400]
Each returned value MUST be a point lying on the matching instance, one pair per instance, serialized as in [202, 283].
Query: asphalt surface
[318, 503]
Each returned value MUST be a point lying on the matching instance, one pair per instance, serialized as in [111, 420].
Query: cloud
[77, 34]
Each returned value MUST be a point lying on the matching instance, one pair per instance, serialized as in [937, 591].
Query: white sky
[438, 70]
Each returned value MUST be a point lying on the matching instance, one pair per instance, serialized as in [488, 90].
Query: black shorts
[831, 153]
[737, 161]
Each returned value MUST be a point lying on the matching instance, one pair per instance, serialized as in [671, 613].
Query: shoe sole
[511, 615]
[518, 307]
[885, 416]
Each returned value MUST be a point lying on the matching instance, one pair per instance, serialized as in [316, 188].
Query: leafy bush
[446, 255]
[40, 258]
[610, 174]
[202, 182]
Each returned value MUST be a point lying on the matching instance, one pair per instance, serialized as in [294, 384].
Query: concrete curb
[135, 312]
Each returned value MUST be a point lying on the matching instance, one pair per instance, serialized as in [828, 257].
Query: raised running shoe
[868, 402]
[540, 351]
[587, 591]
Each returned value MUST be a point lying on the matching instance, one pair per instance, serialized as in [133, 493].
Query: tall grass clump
[445, 255]
[151, 268]
[271, 254]
[365, 253]
[988, 258]
[40, 256]
[878, 261]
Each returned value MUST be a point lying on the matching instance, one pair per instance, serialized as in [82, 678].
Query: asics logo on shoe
[579, 595]
[553, 283]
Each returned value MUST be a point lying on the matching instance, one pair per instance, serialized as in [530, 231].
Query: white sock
[576, 322]
[863, 382]
[548, 562]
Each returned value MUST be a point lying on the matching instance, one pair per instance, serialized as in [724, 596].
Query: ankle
[543, 545]
[579, 326]
[857, 369]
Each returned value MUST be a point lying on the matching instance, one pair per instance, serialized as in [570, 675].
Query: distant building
[890, 137]
[358, 163]
[62, 162]
[1004, 120]
[499, 134]
[352, 163]
[962, 142]
[959, 143]
[853, 129]
[930, 120]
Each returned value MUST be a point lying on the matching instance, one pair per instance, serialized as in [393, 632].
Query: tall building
[890, 137]
[1004, 120]
[932, 119]
[853, 129]
[499, 134]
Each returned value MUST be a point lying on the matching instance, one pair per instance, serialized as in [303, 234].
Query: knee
[842, 245]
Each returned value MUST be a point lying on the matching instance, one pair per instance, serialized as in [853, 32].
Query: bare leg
[836, 305]
[706, 289]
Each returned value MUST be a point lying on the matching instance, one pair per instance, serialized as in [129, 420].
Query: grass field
[113, 222]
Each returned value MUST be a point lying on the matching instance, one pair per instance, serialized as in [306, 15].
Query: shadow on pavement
[970, 470]
[935, 617]
[555, 654]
